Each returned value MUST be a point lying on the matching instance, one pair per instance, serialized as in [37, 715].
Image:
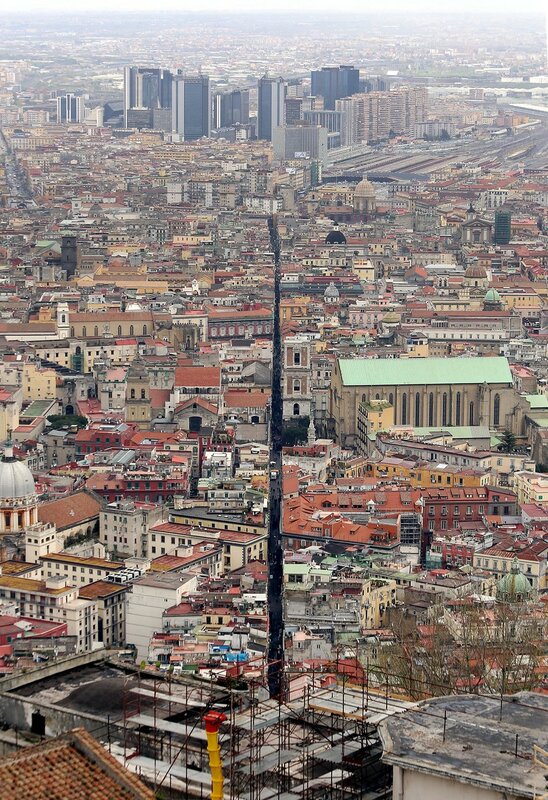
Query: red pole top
[213, 720]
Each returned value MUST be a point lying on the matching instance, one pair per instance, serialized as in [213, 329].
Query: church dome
[475, 271]
[492, 296]
[331, 293]
[16, 479]
[364, 189]
[335, 237]
[515, 585]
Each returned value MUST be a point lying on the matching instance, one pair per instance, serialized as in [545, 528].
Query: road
[19, 194]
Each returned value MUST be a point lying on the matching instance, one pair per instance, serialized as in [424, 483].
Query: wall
[410, 785]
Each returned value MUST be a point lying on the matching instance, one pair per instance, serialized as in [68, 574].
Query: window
[404, 409]
[471, 414]
[417, 409]
[119, 330]
[296, 409]
[132, 394]
[444, 418]
[496, 410]
[431, 408]
[145, 330]
[296, 386]
[457, 409]
[143, 394]
[297, 359]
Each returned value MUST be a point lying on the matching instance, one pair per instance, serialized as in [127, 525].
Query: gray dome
[16, 479]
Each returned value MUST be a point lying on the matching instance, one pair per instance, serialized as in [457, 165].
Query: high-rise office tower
[145, 89]
[191, 107]
[270, 106]
[293, 110]
[231, 108]
[332, 83]
[70, 108]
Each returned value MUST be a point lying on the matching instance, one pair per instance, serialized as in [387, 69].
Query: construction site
[323, 743]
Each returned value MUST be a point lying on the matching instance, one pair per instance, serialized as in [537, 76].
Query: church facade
[424, 392]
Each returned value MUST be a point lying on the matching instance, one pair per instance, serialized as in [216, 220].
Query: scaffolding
[323, 743]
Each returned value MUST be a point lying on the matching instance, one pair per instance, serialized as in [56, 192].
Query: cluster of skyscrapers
[70, 108]
[341, 109]
[180, 104]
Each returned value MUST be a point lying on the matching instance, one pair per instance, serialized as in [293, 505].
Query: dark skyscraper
[191, 107]
[70, 108]
[332, 83]
[293, 110]
[270, 106]
[231, 108]
[145, 89]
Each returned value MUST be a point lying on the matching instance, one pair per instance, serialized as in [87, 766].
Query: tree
[474, 647]
[60, 421]
[507, 441]
[295, 431]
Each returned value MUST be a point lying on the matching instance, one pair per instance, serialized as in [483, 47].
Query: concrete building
[150, 597]
[124, 527]
[77, 570]
[300, 141]
[531, 487]
[56, 600]
[110, 599]
[377, 597]
[469, 748]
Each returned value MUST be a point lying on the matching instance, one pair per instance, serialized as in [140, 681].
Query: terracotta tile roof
[100, 589]
[70, 511]
[17, 567]
[96, 563]
[199, 401]
[246, 399]
[198, 376]
[29, 585]
[72, 766]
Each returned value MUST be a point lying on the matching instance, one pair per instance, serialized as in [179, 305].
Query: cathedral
[22, 536]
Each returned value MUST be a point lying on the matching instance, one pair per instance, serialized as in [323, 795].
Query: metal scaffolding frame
[322, 744]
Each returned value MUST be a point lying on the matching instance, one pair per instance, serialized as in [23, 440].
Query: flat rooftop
[478, 747]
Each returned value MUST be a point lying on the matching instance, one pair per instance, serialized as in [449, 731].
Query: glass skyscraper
[191, 107]
[333, 83]
[145, 89]
[270, 108]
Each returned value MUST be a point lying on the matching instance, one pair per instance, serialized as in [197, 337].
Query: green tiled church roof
[429, 371]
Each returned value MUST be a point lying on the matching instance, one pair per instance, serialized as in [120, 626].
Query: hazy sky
[310, 6]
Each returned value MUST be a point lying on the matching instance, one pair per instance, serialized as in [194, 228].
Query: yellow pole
[213, 720]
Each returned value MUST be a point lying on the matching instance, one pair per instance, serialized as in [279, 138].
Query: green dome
[514, 586]
[492, 296]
